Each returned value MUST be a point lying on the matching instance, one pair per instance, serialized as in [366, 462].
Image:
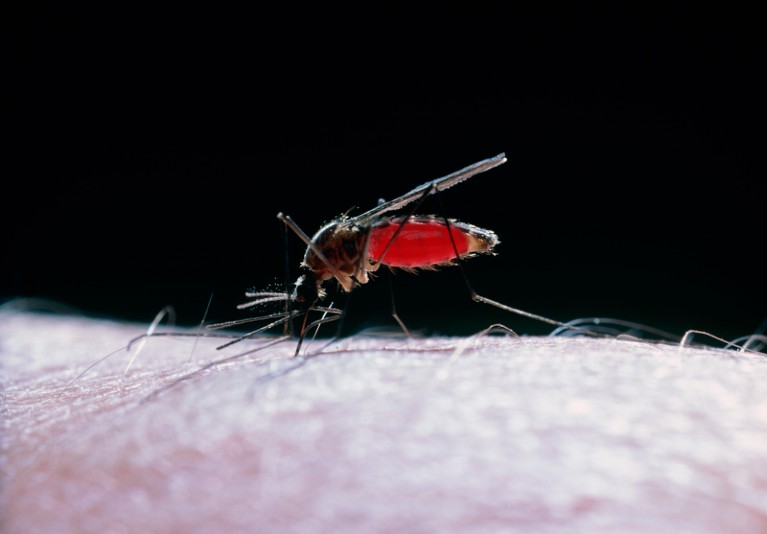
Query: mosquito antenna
[247, 320]
[262, 297]
[281, 319]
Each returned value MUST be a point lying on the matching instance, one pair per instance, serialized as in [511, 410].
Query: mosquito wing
[429, 188]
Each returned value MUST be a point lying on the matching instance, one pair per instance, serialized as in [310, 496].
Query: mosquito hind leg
[476, 297]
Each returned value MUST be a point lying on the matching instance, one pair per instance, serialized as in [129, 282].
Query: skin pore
[484, 434]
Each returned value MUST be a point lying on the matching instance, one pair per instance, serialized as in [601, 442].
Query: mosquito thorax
[343, 247]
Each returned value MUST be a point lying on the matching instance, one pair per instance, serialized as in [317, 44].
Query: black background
[150, 151]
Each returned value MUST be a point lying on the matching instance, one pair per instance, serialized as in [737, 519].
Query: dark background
[150, 151]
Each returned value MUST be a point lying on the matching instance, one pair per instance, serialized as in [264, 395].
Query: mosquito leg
[405, 220]
[394, 313]
[303, 333]
[428, 191]
[328, 315]
[476, 297]
[342, 316]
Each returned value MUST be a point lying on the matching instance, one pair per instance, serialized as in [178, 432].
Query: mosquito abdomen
[424, 241]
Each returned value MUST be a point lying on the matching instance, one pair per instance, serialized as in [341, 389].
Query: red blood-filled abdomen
[425, 242]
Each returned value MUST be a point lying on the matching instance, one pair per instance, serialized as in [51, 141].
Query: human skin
[375, 434]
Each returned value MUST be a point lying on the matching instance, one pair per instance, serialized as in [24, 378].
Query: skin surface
[484, 434]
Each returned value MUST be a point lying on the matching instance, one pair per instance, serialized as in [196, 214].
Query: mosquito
[349, 248]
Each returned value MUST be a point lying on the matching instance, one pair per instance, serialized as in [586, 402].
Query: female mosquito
[348, 248]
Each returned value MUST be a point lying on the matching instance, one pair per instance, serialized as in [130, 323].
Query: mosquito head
[337, 251]
[307, 291]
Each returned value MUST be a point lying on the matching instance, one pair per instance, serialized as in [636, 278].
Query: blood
[420, 243]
